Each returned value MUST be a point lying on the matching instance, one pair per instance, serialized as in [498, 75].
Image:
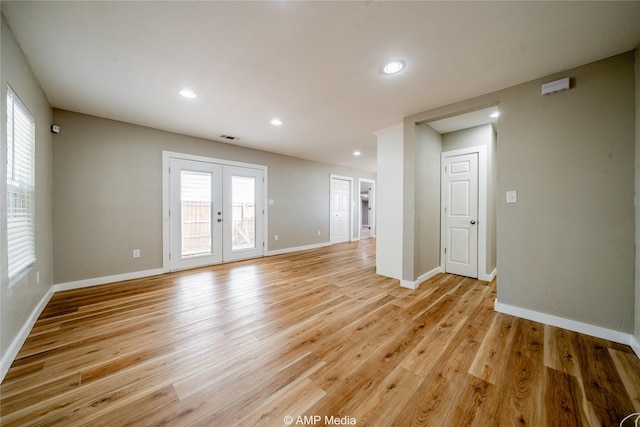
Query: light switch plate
[512, 196]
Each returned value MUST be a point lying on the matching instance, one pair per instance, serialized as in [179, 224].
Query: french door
[215, 213]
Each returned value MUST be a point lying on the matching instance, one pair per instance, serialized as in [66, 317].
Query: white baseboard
[426, 276]
[488, 277]
[298, 248]
[19, 340]
[572, 325]
[635, 345]
[106, 279]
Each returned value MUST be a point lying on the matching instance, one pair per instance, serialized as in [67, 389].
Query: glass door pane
[196, 212]
[243, 208]
[243, 199]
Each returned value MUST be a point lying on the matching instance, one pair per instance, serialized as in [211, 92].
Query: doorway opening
[468, 193]
[366, 216]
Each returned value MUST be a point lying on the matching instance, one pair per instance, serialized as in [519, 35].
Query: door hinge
[169, 255]
[445, 250]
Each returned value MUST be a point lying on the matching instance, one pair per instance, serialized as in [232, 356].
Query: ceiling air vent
[229, 137]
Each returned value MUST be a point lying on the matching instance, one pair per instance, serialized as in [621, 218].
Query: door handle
[219, 219]
[473, 221]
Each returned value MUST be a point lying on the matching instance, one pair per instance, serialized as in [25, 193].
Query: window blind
[21, 247]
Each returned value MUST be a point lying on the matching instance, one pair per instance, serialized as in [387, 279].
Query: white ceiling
[315, 65]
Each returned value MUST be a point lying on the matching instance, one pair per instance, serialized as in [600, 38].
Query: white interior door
[195, 210]
[216, 213]
[461, 215]
[340, 210]
[243, 213]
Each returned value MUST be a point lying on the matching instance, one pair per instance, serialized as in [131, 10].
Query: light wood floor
[314, 333]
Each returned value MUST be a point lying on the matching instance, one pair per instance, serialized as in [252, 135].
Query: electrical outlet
[319, 233]
[136, 253]
[275, 237]
[37, 277]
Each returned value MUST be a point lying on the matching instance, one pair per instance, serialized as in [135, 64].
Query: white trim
[351, 205]
[298, 248]
[106, 279]
[166, 157]
[571, 325]
[426, 276]
[488, 277]
[408, 284]
[483, 178]
[635, 345]
[389, 129]
[19, 340]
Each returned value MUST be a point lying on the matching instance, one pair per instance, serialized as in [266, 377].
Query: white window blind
[21, 247]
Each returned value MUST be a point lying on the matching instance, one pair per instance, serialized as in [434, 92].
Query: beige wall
[467, 138]
[19, 301]
[108, 195]
[492, 196]
[567, 247]
[637, 196]
[427, 196]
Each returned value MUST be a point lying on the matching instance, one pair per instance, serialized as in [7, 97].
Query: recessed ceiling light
[356, 153]
[494, 115]
[188, 94]
[394, 67]
[276, 122]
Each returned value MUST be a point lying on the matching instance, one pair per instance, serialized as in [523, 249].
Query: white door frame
[483, 180]
[166, 158]
[344, 178]
[372, 207]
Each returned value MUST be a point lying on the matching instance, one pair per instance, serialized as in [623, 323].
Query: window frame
[21, 188]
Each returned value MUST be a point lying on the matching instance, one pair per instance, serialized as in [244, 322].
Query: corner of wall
[637, 210]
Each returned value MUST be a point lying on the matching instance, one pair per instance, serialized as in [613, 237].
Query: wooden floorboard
[309, 335]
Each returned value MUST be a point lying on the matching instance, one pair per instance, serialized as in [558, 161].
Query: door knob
[219, 219]
[473, 221]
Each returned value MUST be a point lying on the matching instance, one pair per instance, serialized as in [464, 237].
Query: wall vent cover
[229, 137]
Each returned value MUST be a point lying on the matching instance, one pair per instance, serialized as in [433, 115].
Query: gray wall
[567, 247]
[637, 218]
[492, 196]
[19, 300]
[427, 195]
[108, 195]
[465, 138]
